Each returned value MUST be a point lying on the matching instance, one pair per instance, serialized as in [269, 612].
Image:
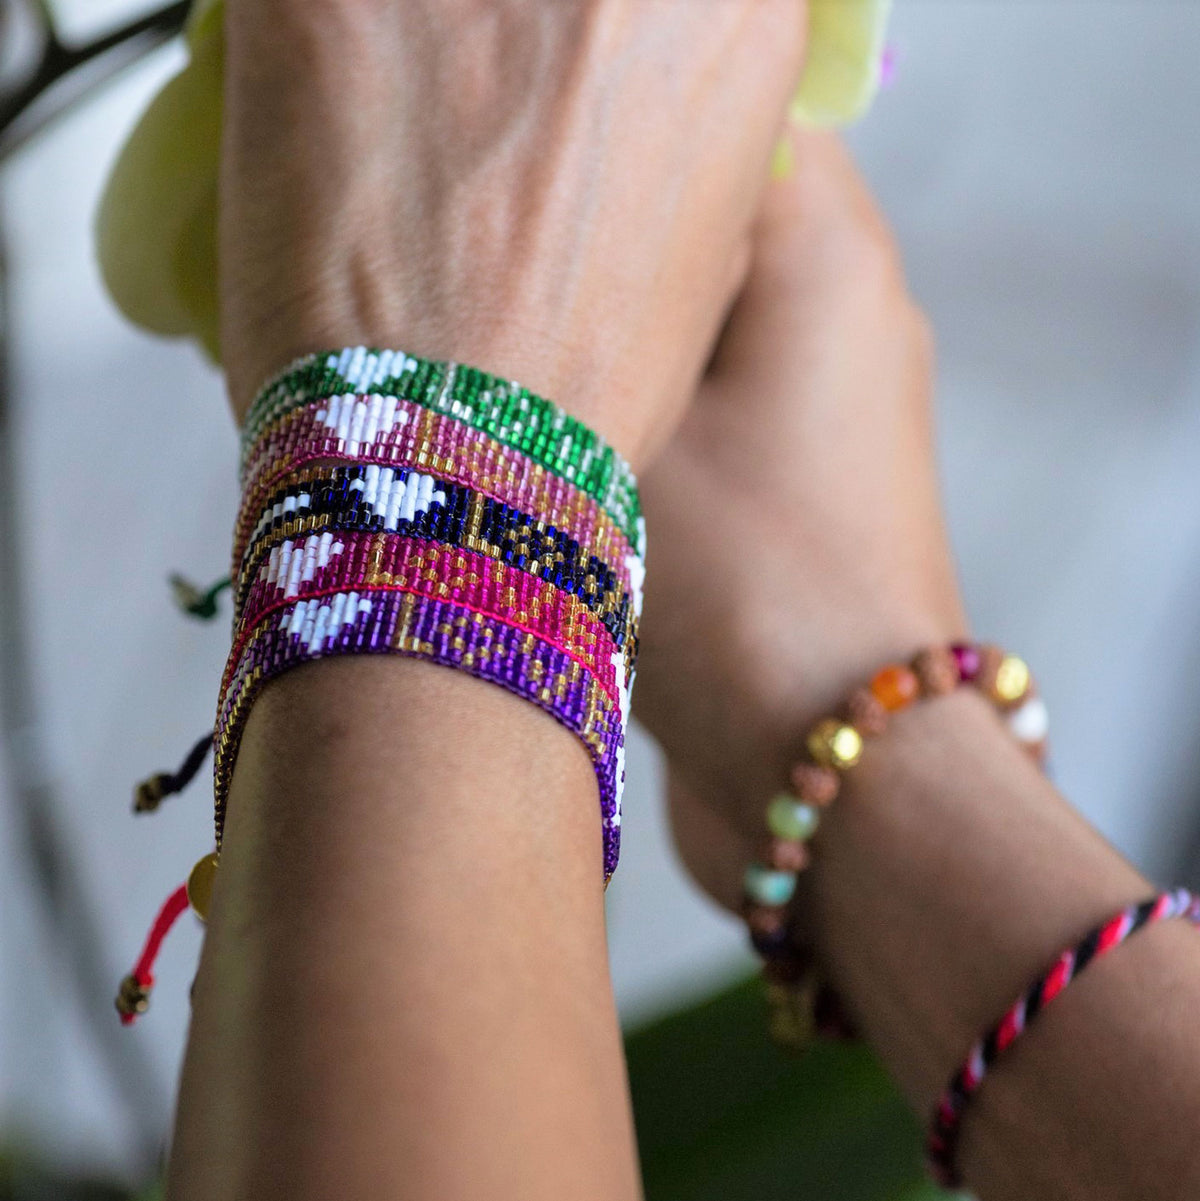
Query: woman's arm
[950, 875]
[949, 872]
[404, 991]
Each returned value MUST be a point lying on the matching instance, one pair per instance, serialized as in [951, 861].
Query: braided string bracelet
[800, 1006]
[392, 505]
[942, 1141]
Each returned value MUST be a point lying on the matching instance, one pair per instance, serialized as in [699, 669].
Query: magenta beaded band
[442, 632]
[947, 1117]
[448, 448]
[354, 500]
[396, 563]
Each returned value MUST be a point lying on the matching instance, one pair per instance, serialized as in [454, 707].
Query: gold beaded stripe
[501, 474]
[446, 573]
[601, 602]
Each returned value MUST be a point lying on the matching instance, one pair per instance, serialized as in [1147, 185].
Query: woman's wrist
[785, 680]
[950, 872]
[404, 898]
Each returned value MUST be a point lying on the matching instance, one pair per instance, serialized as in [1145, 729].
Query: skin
[404, 990]
[949, 872]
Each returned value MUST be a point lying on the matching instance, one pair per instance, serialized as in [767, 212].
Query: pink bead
[968, 660]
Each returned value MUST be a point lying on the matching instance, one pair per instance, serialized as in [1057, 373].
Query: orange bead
[895, 687]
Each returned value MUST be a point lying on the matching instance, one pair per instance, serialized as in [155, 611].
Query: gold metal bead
[200, 885]
[834, 744]
[1012, 680]
[791, 1016]
[132, 999]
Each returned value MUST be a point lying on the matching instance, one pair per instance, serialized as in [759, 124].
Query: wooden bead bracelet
[800, 1006]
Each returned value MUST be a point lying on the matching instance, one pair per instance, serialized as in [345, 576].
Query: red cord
[142, 975]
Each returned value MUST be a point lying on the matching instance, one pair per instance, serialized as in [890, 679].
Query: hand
[796, 537]
[557, 192]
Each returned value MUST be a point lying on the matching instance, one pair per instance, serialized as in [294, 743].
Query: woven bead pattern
[441, 632]
[374, 500]
[409, 436]
[429, 510]
[505, 410]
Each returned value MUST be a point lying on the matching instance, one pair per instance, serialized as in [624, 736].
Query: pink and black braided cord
[943, 1133]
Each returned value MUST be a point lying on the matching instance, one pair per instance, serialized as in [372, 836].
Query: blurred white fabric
[1039, 163]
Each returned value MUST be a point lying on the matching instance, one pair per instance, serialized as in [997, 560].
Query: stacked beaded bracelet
[392, 505]
[800, 1007]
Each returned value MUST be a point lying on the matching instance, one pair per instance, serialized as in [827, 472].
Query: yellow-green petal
[156, 224]
[845, 60]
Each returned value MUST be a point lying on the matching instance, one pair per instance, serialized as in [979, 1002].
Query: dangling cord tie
[149, 794]
[134, 996]
[195, 602]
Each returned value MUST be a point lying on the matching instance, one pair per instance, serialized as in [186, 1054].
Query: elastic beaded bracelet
[395, 506]
[800, 1006]
[945, 1124]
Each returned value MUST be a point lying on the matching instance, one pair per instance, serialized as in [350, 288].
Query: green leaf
[725, 1115]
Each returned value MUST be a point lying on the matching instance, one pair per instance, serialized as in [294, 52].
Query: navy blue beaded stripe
[338, 505]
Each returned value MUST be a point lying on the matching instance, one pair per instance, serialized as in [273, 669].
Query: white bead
[1031, 722]
[371, 427]
[371, 492]
[409, 509]
[394, 503]
[425, 493]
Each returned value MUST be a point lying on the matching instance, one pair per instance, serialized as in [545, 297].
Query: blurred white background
[1039, 161]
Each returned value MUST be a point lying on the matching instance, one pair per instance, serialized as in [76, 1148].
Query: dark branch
[31, 106]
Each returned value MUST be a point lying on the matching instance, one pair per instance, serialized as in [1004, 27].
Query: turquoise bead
[792, 819]
[768, 887]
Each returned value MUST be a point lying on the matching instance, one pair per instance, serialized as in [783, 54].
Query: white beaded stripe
[317, 622]
[363, 369]
[291, 564]
[358, 422]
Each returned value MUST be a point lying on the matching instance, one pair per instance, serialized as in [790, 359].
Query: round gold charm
[200, 885]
